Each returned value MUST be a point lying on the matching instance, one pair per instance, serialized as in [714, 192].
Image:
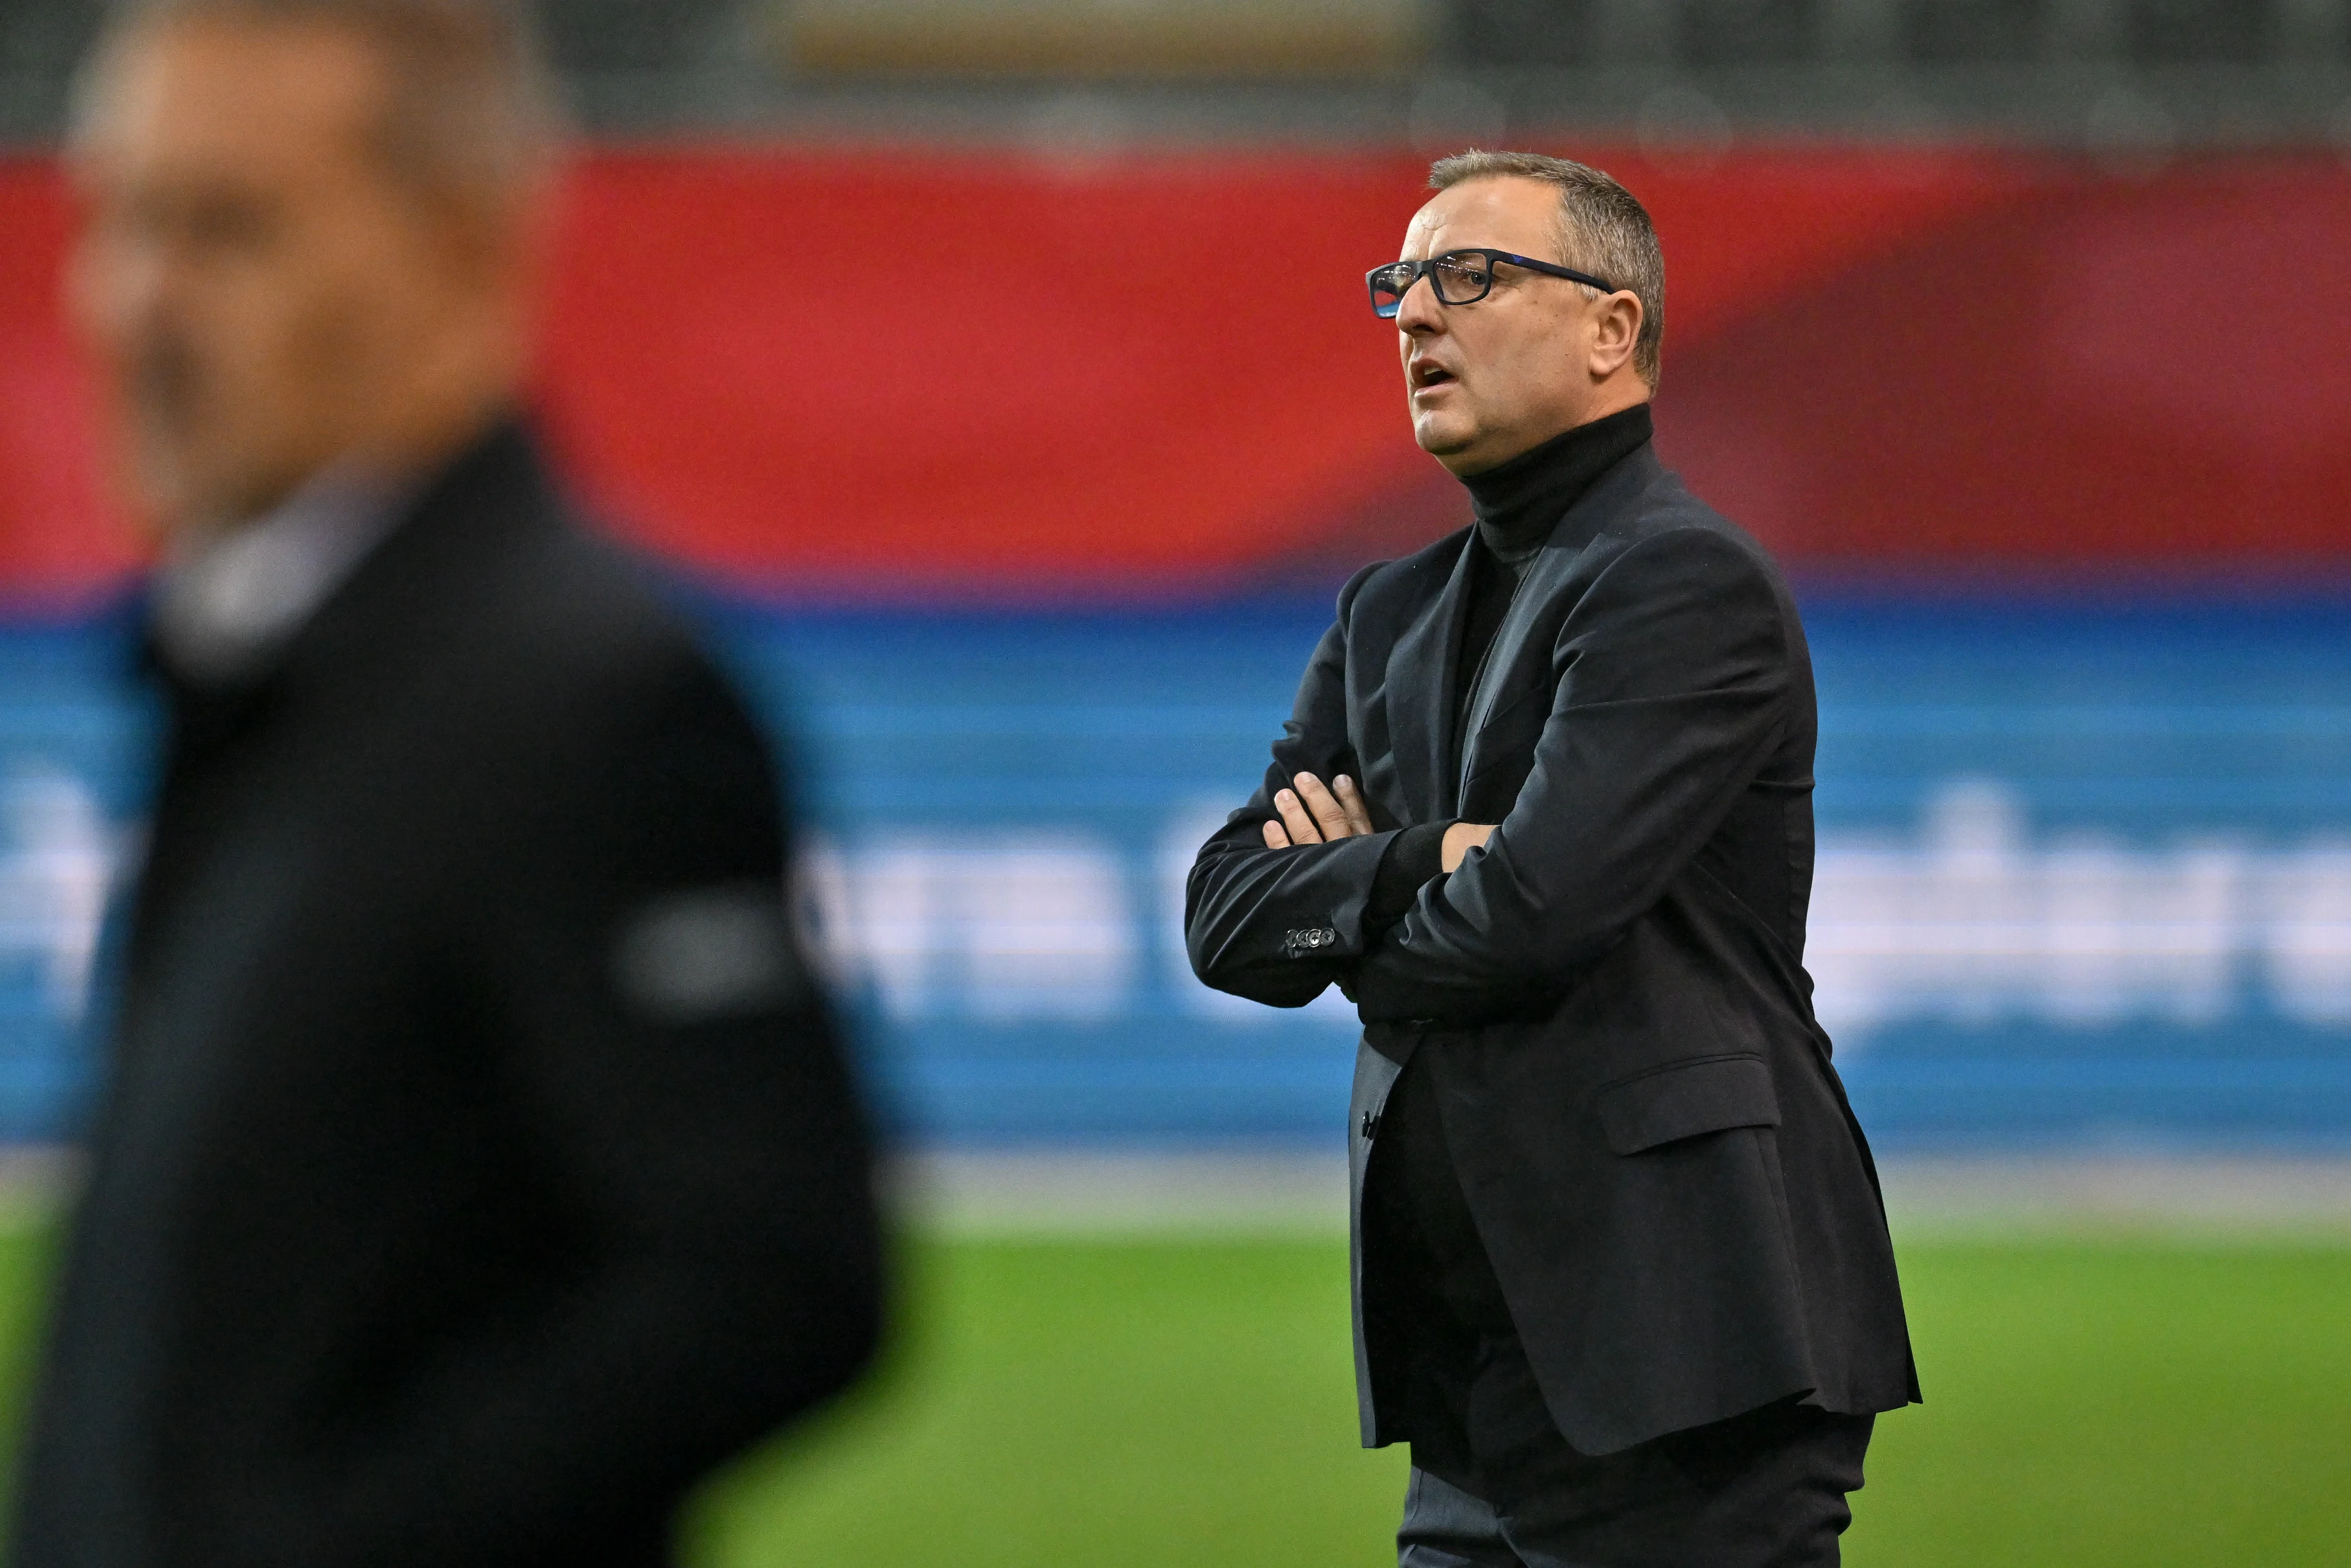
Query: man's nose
[1420, 311]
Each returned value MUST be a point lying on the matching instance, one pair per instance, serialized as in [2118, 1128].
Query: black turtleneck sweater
[1517, 503]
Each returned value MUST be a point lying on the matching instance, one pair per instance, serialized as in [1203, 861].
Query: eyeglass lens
[1459, 280]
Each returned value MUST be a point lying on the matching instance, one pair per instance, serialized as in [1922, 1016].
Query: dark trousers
[1766, 1490]
[1494, 1485]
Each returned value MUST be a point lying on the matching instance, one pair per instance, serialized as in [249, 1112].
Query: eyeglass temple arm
[1556, 270]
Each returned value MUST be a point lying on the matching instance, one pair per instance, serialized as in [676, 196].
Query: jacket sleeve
[1278, 926]
[681, 1101]
[1672, 690]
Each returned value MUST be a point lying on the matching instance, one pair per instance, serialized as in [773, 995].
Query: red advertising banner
[861, 373]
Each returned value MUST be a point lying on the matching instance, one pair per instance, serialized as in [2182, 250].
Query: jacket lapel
[1421, 682]
[1518, 659]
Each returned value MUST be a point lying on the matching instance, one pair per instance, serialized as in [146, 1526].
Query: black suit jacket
[479, 1165]
[1609, 997]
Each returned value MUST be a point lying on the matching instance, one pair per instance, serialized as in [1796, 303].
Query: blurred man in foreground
[1545, 811]
[478, 1167]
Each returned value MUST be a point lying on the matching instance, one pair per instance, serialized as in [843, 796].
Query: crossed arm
[1673, 687]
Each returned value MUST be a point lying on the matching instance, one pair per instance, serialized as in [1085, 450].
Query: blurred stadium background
[997, 377]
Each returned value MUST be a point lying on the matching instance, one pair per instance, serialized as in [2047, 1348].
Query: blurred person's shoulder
[559, 626]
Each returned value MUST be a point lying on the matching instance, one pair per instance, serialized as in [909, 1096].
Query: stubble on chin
[1441, 439]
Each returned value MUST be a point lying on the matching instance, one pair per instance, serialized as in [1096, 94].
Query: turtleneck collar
[1518, 503]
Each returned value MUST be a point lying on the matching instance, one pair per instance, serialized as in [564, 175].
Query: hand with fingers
[1314, 813]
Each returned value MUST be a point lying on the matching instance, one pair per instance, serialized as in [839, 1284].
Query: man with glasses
[1544, 813]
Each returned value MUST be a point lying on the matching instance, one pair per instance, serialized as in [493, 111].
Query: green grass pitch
[2138, 1403]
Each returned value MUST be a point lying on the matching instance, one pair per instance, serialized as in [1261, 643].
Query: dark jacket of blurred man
[478, 1167]
[1545, 811]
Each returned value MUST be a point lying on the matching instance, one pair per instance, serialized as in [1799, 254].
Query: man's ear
[1617, 332]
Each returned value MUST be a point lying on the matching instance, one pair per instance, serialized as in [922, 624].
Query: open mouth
[1426, 374]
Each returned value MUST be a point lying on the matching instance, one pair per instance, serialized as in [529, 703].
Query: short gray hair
[1602, 230]
[473, 106]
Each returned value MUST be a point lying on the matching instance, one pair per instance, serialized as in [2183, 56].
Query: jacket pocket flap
[1708, 1095]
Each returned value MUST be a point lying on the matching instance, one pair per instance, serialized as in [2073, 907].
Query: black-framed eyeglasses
[1459, 277]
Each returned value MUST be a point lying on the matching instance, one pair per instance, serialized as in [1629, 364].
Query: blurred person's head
[311, 237]
[1539, 355]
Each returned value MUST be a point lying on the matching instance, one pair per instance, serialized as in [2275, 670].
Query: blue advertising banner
[2085, 869]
